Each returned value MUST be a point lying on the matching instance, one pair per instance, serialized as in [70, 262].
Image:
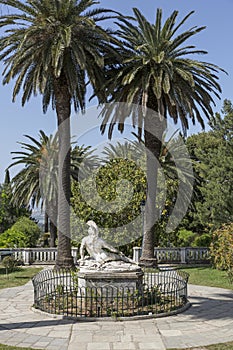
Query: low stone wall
[187, 255]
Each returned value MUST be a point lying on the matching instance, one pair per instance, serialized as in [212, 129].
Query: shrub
[221, 249]
[202, 241]
[185, 238]
[9, 263]
[24, 233]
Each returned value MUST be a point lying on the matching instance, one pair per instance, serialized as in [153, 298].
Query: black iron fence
[57, 292]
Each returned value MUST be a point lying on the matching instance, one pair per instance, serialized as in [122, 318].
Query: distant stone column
[137, 251]
[26, 256]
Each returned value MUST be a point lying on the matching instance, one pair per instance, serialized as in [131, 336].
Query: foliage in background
[24, 233]
[221, 249]
[111, 196]
[100, 196]
[9, 212]
[36, 184]
[203, 240]
[176, 189]
[212, 153]
[185, 238]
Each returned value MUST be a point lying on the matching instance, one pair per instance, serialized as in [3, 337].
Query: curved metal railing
[57, 292]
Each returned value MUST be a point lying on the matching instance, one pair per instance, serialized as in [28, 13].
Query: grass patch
[222, 346]
[227, 346]
[7, 347]
[18, 277]
[207, 276]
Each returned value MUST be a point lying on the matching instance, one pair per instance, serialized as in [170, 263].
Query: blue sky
[216, 39]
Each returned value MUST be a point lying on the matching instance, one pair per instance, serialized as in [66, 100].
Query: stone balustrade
[187, 255]
[35, 255]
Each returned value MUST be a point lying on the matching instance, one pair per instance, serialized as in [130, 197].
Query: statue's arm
[109, 247]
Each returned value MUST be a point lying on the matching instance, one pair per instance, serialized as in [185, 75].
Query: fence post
[136, 254]
[183, 255]
[26, 256]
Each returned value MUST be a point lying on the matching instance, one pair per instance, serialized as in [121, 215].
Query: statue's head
[93, 228]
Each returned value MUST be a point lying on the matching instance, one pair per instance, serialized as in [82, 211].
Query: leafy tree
[156, 79]
[24, 233]
[106, 196]
[185, 238]
[203, 240]
[9, 213]
[53, 48]
[213, 160]
[111, 196]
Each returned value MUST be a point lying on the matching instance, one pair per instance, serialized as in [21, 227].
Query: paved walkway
[209, 320]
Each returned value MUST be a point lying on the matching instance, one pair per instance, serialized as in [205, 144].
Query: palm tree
[53, 48]
[36, 183]
[156, 79]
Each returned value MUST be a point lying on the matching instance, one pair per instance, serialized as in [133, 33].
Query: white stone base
[110, 283]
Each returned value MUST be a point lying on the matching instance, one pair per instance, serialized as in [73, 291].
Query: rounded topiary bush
[24, 233]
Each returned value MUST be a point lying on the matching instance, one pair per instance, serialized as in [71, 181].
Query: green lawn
[6, 347]
[207, 276]
[18, 277]
[225, 346]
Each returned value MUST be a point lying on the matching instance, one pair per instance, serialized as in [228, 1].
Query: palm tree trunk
[52, 212]
[153, 131]
[46, 222]
[64, 258]
[53, 234]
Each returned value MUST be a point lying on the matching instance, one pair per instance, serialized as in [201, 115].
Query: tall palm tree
[53, 47]
[156, 79]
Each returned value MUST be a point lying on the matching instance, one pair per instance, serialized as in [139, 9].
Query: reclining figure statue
[100, 252]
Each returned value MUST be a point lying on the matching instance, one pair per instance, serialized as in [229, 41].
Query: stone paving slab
[208, 321]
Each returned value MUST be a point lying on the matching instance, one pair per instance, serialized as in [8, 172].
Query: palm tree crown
[55, 47]
[47, 40]
[36, 156]
[156, 73]
[37, 183]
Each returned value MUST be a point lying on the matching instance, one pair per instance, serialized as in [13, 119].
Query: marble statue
[100, 252]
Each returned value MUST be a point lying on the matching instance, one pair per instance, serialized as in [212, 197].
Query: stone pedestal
[110, 282]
